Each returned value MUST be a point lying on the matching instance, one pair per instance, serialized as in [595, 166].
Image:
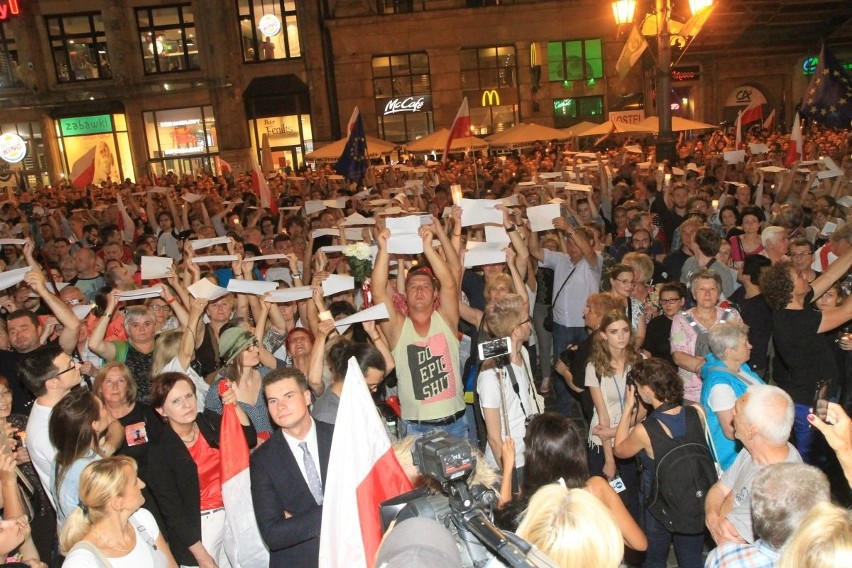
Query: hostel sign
[9, 8]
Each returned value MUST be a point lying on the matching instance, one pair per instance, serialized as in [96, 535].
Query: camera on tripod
[466, 510]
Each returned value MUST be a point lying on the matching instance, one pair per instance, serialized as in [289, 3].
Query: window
[167, 37]
[269, 30]
[34, 165]
[568, 112]
[402, 87]
[79, 47]
[579, 60]
[9, 73]
[487, 68]
[181, 140]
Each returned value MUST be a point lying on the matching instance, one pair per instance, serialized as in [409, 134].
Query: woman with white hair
[572, 528]
[725, 377]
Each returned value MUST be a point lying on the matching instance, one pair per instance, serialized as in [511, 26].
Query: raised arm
[379, 286]
[186, 350]
[449, 308]
[105, 349]
[63, 313]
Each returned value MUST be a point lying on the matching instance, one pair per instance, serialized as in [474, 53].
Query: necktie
[314, 481]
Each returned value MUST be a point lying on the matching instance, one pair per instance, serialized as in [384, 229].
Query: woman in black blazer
[183, 471]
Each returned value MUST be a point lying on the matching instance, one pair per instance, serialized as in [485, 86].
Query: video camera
[467, 511]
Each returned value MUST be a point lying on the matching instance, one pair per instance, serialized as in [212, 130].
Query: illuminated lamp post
[623, 12]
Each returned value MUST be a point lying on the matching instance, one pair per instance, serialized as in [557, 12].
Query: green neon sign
[85, 125]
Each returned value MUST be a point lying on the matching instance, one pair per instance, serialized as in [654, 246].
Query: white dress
[142, 555]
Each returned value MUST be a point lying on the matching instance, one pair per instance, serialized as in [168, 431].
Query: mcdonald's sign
[490, 98]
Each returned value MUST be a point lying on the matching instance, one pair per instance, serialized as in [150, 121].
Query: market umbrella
[524, 134]
[437, 141]
[376, 148]
[620, 128]
[652, 123]
[581, 128]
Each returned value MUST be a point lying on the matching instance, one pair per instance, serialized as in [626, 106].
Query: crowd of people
[585, 319]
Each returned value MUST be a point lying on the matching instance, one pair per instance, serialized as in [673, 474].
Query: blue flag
[828, 99]
[352, 163]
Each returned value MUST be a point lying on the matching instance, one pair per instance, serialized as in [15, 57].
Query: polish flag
[83, 170]
[362, 473]
[460, 129]
[794, 146]
[261, 186]
[225, 167]
[738, 126]
[752, 113]
[241, 533]
[769, 123]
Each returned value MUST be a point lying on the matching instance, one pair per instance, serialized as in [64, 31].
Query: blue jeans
[457, 429]
[688, 547]
[562, 338]
[807, 439]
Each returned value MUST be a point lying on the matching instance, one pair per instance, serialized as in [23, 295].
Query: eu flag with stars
[828, 99]
[352, 163]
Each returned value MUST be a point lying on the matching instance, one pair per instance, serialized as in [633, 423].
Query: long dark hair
[71, 431]
[554, 450]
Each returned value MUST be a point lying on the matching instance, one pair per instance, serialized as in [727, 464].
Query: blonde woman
[572, 528]
[109, 527]
[823, 540]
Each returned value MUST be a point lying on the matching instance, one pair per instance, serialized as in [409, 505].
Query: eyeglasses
[526, 321]
[667, 301]
[71, 367]
[160, 307]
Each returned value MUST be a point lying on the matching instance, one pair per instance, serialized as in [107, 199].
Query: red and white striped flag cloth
[241, 535]
[769, 123]
[224, 167]
[460, 129]
[362, 473]
[261, 186]
[83, 170]
[125, 222]
[752, 113]
[794, 146]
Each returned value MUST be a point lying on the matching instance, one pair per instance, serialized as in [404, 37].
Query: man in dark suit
[288, 473]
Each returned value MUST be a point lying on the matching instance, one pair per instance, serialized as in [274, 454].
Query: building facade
[149, 86]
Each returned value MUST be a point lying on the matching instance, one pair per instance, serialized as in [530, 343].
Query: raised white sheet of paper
[206, 289]
[404, 235]
[480, 211]
[373, 313]
[155, 267]
[256, 287]
[541, 217]
[215, 258]
[337, 283]
[479, 254]
[199, 244]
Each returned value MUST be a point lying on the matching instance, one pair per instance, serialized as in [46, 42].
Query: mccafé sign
[404, 105]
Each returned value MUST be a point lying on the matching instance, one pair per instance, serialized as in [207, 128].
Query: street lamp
[623, 11]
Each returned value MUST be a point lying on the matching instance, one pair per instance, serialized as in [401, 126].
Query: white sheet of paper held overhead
[141, 293]
[215, 258]
[314, 206]
[404, 235]
[206, 289]
[374, 313]
[14, 242]
[541, 217]
[480, 211]
[192, 197]
[337, 283]
[256, 287]
[12, 277]
[734, 156]
[155, 267]
[325, 233]
[284, 295]
[758, 148]
[277, 256]
[82, 310]
[496, 234]
[199, 244]
[479, 254]
[357, 220]
[331, 249]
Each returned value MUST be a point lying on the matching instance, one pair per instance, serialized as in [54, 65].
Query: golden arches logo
[492, 97]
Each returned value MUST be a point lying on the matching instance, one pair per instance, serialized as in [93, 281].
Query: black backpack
[682, 474]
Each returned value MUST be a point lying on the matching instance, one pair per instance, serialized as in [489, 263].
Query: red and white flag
[261, 186]
[752, 113]
[362, 473]
[738, 126]
[242, 536]
[83, 170]
[460, 129]
[224, 167]
[769, 123]
[794, 146]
